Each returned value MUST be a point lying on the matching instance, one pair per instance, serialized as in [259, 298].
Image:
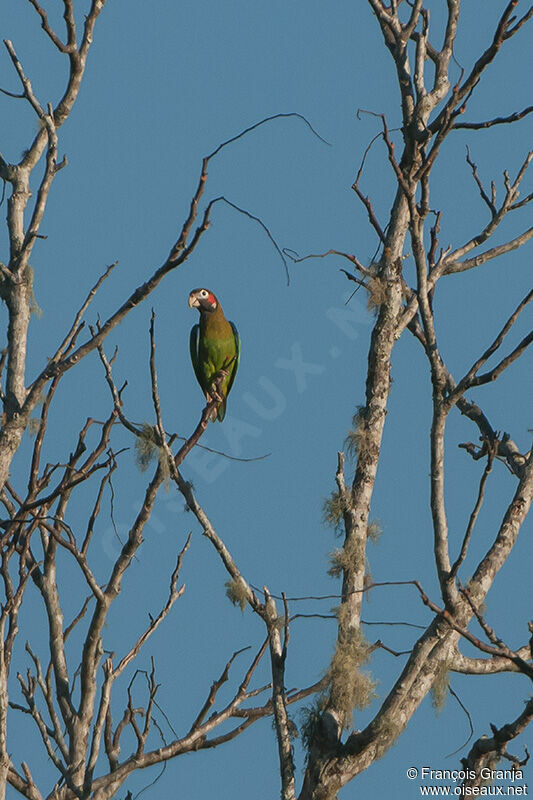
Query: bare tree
[432, 110]
[71, 708]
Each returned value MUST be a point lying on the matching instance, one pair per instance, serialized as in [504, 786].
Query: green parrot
[215, 345]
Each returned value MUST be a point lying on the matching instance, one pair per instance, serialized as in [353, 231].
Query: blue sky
[165, 84]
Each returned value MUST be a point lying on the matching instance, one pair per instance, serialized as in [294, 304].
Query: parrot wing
[221, 413]
[194, 341]
[235, 365]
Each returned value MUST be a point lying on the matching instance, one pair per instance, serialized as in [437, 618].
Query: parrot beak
[193, 301]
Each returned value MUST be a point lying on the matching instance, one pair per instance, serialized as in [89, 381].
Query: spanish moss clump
[348, 688]
[294, 733]
[356, 437]
[377, 293]
[236, 592]
[351, 688]
[368, 581]
[310, 718]
[41, 398]
[337, 561]
[279, 622]
[34, 424]
[165, 467]
[146, 446]
[440, 687]
[332, 511]
[374, 530]
[343, 558]
[34, 306]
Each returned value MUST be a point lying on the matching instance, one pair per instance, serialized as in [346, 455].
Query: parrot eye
[204, 293]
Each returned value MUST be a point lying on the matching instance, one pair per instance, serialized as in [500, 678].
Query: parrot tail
[221, 413]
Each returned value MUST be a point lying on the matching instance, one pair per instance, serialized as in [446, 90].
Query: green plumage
[215, 345]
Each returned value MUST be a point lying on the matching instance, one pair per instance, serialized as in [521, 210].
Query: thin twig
[476, 126]
[474, 515]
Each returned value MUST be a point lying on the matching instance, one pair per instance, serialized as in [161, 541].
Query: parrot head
[203, 300]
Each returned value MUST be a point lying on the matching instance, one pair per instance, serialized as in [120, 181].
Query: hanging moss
[351, 688]
[368, 580]
[356, 437]
[332, 510]
[34, 424]
[34, 306]
[377, 293]
[279, 622]
[343, 558]
[236, 592]
[146, 446]
[374, 530]
[440, 687]
[310, 719]
[41, 398]
[336, 558]
[165, 467]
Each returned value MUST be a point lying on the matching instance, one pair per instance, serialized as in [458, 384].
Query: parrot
[215, 345]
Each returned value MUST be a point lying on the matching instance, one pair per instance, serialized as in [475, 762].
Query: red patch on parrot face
[203, 299]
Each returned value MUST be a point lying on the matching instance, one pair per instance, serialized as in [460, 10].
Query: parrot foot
[215, 395]
[215, 387]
